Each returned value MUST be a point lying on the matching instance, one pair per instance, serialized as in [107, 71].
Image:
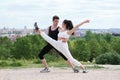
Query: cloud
[22, 12]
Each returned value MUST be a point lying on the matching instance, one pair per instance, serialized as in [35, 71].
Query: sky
[103, 14]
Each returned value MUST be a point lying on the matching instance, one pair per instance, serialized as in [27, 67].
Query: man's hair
[55, 17]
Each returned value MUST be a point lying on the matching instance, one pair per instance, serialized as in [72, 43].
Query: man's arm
[64, 39]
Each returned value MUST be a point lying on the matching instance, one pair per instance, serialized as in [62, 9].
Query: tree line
[88, 48]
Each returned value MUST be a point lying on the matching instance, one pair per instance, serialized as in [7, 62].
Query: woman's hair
[68, 24]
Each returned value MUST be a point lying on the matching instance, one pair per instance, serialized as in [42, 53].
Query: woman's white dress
[61, 46]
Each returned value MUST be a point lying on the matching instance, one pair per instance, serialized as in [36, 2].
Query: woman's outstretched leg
[67, 53]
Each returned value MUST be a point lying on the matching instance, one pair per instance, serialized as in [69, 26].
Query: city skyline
[103, 14]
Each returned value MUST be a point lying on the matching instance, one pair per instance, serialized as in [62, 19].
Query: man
[53, 33]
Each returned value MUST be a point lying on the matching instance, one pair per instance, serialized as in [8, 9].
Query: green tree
[115, 43]
[108, 37]
[5, 48]
[95, 49]
[22, 48]
[28, 47]
[37, 43]
[99, 37]
[105, 46]
[89, 35]
[80, 49]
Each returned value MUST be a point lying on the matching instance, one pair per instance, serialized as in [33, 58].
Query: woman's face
[64, 26]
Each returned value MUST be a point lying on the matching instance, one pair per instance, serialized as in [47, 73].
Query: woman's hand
[86, 21]
[37, 31]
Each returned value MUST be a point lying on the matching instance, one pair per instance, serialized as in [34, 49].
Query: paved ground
[109, 73]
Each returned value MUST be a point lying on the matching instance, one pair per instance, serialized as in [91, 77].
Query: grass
[34, 63]
[95, 66]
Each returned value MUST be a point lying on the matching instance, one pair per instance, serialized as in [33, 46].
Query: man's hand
[64, 39]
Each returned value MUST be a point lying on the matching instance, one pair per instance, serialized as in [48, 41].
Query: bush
[10, 63]
[15, 64]
[3, 64]
[108, 58]
[52, 57]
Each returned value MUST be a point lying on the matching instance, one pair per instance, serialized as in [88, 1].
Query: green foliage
[80, 49]
[108, 37]
[10, 63]
[115, 43]
[52, 56]
[93, 41]
[3, 64]
[105, 46]
[83, 49]
[15, 64]
[28, 47]
[22, 48]
[89, 35]
[5, 48]
[95, 67]
[108, 58]
[95, 49]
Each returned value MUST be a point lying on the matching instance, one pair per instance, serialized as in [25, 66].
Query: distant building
[13, 33]
[77, 33]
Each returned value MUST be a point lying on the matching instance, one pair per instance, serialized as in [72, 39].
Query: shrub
[108, 58]
[15, 64]
[51, 57]
[3, 64]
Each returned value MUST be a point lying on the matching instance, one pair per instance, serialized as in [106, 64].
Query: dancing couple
[60, 43]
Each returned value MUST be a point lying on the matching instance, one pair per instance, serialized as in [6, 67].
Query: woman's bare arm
[78, 25]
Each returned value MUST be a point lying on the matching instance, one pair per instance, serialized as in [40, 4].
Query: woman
[64, 33]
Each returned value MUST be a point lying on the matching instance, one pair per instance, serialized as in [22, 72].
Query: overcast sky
[103, 14]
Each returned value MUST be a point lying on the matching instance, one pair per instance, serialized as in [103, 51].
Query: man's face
[55, 22]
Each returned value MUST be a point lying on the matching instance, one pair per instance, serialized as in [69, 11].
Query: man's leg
[44, 51]
[44, 63]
